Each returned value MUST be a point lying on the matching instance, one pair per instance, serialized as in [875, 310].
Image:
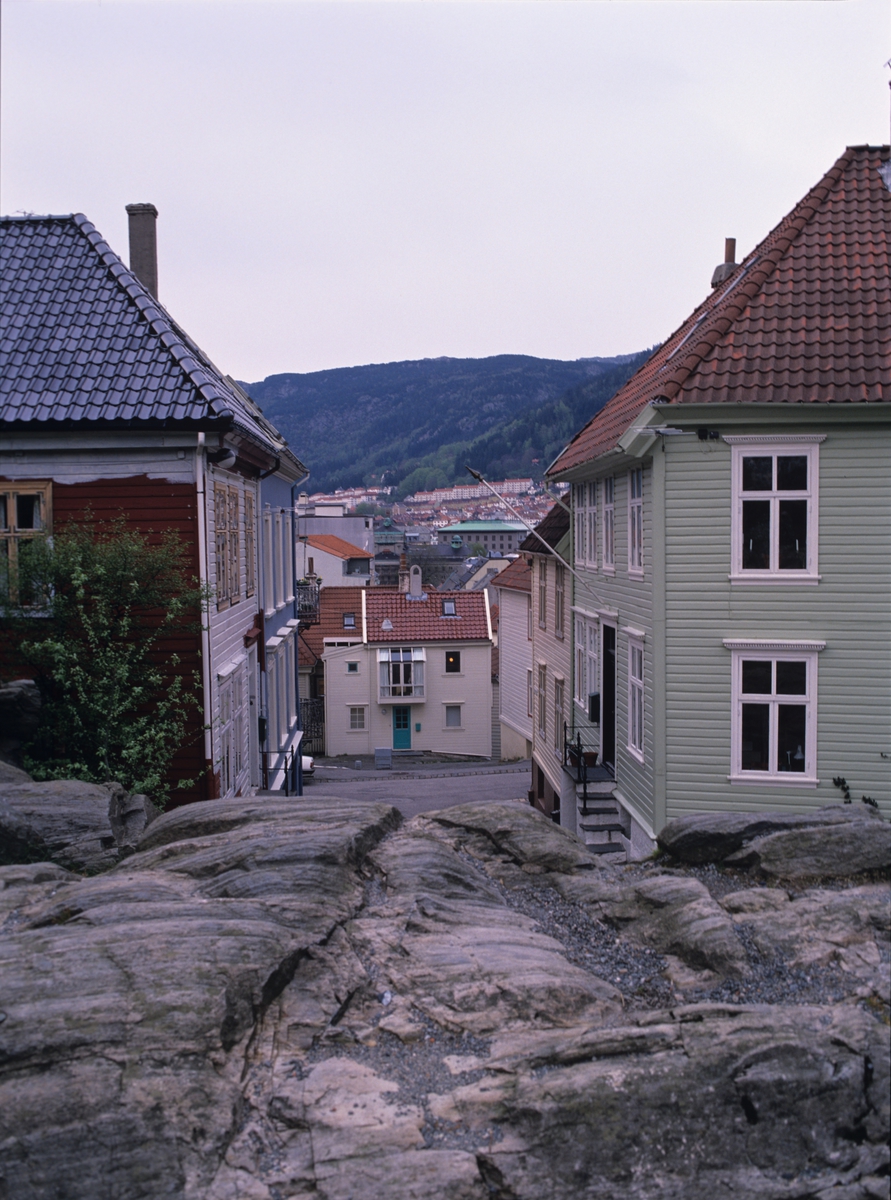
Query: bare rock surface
[838, 840]
[267, 1000]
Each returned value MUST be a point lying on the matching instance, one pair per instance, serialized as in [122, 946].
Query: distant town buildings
[471, 491]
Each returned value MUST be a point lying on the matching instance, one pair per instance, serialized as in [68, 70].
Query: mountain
[417, 423]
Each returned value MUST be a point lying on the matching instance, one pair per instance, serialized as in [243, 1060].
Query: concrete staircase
[603, 826]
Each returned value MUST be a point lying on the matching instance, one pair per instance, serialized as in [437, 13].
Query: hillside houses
[108, 407]
[731, 533]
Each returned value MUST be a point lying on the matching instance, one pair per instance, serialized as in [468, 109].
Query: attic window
[349, 620]
[448, 608]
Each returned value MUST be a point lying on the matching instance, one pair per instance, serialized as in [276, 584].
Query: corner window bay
[775, 510]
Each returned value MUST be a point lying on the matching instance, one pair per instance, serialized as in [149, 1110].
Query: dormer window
[448, 608]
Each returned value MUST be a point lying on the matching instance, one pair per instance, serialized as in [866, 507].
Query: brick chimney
[728, 266]
[144, 245]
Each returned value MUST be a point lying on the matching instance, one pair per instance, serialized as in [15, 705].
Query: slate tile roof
[805, 318]
[81, 340]
[337, 546]
[517, 577]
[553, 526]
[422, 620]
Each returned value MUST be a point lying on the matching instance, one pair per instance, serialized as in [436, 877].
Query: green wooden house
[732, 533]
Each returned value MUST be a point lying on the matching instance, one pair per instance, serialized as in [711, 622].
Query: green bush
[115, 706]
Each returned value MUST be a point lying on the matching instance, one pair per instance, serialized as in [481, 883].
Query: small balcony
[307, 599]
[401, 693]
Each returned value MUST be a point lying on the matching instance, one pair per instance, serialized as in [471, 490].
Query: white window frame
[587, 660]
[805, 445]
[635, 522]
[357, 712]
[529, 617]
[585, 507]
[268, 551]
[559, 713]
[542, 697]
[413, 691]
[636, 698]
[559, 599]
[445, 716]
[542, 593]
[767, 651]
[609, 525]
[530, 695]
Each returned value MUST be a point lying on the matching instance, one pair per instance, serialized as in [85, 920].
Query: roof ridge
[766, 262]
[168, 333]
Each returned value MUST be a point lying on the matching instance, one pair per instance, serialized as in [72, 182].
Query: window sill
[635, 573]
[753, 777]
[609, 570]
[790, 579]
[637, 755]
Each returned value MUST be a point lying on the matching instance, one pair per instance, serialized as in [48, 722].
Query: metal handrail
[291, 764]
[575, 758]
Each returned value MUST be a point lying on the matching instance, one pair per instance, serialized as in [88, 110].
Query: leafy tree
[115, 704]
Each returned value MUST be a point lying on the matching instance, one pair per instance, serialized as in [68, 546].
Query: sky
[346, 183]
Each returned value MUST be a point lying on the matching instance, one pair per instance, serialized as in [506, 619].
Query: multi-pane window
[774, 511]
[543, 593]
[542, 699]
[227, 756]
[529, 694]
[288, 555]
[529, 617]
[226, 521]
[774, 717]
[585, 660]
[279, 562]
[585, 506]
[559, 701]
[401, 671]
[250, 578]
[25, 514]
[559, 598]
[635, 520]
[268, 573]
[635, 698]
[609, 524]
[357, 716]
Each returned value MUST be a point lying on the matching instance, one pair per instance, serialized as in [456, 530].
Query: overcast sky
[344, 183]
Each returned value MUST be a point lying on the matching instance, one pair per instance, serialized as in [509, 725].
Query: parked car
[308, 766]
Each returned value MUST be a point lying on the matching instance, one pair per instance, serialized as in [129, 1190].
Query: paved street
[425, 790]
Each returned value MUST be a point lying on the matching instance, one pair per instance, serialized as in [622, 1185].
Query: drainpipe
[201, 471]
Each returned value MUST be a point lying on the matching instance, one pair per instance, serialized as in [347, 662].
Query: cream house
[420, 678]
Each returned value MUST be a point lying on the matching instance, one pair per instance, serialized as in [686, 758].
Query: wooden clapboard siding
[515, 659]
[849, 610]
[632, 599]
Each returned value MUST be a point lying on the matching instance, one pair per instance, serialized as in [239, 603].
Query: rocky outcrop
[839, 841]
[265, 1000]
[83, 826]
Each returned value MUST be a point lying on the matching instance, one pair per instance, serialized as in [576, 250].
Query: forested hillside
[415, 424]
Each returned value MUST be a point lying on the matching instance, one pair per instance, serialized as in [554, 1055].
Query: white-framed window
[288, 554]
[636, 698]
[775, 522]
[635, 521]
[352, 668]
[453, 716]
[585, 508]
[543, 593]
[586, 674]
[530, 694]
[529, 617]
[267, 552]
[357, 717]
[228, 769]
[559, 704]
[609, 524]
[559, 599]
[401, 672]
[279, 562]
[774, 732]
[250, 570]
[282, 697]
[542, 699]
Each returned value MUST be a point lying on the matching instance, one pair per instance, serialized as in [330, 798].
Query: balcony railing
[395, 691]
[307, 602]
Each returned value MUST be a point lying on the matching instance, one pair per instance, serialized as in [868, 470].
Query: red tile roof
[422, 620]
[333, 603]
[805, 318]
[332, 544]
[552, 527]
[518, 576]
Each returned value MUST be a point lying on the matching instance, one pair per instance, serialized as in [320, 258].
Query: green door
[402, 727]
